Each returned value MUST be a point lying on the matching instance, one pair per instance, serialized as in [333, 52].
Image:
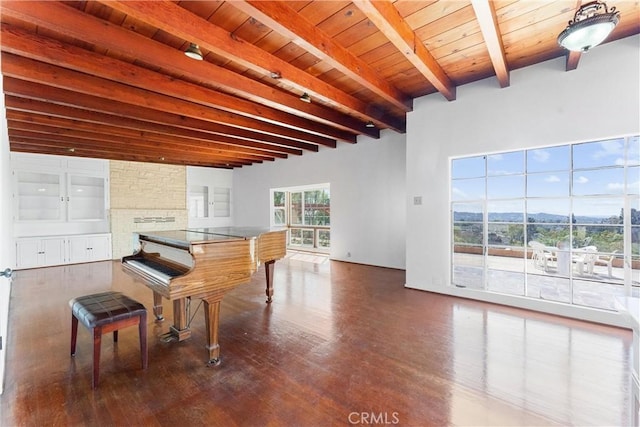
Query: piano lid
[242, 232]
[184, 238]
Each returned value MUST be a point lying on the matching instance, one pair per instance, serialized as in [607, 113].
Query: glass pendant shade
[588, 29]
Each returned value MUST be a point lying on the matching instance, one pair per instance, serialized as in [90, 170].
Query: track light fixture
[591, 25]
[193, 51]
[305, 98]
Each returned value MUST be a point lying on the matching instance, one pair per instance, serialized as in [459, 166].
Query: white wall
[368, 199]
[7, 248]
[545, 105]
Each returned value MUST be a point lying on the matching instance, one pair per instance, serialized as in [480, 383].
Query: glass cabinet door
[221, 202]
[39, 196]
[86, 198]
[198, 201]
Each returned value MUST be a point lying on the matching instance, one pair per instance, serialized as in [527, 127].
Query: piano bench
[103, 313]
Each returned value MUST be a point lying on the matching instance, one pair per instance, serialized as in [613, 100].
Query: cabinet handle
[62, 199]
[6, 273]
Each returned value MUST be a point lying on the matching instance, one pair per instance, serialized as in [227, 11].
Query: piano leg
[269, 266]
[157, 306]
[212, 322]
[180, 329]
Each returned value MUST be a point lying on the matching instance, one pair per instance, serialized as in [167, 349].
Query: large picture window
[558, 223]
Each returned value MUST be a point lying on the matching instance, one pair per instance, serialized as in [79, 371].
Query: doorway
[306, 213]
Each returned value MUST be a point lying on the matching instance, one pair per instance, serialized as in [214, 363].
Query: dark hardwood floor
[340, 344]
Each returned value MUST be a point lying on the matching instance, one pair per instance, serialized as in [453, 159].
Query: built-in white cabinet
[34, 252]
[86, 197]
[63, 196]
[89, 248]
[209, 193]
[60, 209]
[207, 202]
[39, 196]
[40, 252]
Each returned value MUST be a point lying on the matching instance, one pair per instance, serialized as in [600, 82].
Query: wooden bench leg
[74, 334]
[142, 332]
[97, 341]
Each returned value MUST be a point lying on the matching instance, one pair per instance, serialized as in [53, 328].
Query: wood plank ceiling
[108, 79]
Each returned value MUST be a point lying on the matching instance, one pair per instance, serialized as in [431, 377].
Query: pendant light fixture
[591, 25]
[305, 98]
[193, 51]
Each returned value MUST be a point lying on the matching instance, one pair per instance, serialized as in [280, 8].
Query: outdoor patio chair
[607, 261]
[585, 258]
[542, 256]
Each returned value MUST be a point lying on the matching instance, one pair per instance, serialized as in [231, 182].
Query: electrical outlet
[417, 200]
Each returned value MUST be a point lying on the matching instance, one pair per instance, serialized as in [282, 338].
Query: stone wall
[144, 197]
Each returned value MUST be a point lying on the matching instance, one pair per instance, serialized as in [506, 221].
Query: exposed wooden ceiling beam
[20, 42]
[486, 14]
[35, 71]
[573, 58]
[385, 16]
[32, 106]
[170, 17]
[117, 39]
[31, 91]
[284, 19]
[71, 143]
[138, 138]
[104, 134]
[43, 146]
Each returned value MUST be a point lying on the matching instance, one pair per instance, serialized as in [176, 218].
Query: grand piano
[203, 263]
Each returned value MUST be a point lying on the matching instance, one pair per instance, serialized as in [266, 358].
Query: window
[279, 208]
[559, 223]
[306, 212]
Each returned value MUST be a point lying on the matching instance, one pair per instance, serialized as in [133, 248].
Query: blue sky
[597, 171]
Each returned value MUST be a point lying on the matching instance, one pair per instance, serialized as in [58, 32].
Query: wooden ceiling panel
[451, 27]
[434, 12]
[332, 17]
[410, 8]
[317, 12]
[227, 17]
[109, 79]
[458, 38]
[202, 8]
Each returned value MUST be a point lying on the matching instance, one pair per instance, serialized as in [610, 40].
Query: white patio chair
[542, 257]
[585, 258]
[607, 261]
